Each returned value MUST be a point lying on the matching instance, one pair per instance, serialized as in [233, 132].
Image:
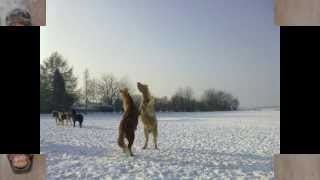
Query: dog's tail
[121, 139]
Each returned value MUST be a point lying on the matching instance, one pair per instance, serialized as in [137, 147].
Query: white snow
[215, 145]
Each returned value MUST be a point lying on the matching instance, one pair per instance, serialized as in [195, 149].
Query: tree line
[59, 91]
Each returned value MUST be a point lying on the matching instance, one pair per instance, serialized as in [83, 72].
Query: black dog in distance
[77, 117]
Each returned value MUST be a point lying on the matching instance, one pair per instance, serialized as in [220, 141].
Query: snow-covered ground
[216, 145]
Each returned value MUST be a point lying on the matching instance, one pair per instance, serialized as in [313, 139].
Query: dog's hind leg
[130, 138]
[146, 136]
[155, 135]
[120, 140]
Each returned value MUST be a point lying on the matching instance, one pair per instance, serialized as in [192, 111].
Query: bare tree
[108, 88]
[183, 100]
[93, 95]
[188, 93]
[125, 82]
[86, 82]
[219, 100]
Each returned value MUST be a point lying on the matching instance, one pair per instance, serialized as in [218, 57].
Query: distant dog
[129, 121]
[147, 115]
[76, 117]
[55, 114]
[68, 118]
[60, 117]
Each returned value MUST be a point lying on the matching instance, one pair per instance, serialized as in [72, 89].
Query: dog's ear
[124, 90]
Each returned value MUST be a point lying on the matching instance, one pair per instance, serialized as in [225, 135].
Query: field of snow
[215, 145]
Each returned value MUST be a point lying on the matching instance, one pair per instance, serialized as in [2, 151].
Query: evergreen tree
[54, 62]
[47, 75]
[45, 94]
[59, 92]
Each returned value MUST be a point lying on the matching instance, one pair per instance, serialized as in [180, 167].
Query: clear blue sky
[224, 44]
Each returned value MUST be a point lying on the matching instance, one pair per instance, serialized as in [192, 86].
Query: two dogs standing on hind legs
[129, 121]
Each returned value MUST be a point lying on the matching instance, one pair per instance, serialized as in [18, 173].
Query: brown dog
[147, 115]
[129, 121]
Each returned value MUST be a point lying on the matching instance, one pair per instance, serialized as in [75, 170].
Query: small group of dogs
[68, 118]
[129, 121]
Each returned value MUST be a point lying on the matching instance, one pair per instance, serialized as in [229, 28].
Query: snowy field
[216, 145]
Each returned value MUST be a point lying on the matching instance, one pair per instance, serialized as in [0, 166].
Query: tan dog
[147, 115]
[63, 116]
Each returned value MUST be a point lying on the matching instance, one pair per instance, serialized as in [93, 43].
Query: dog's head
[124, 92]
[143, 88]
